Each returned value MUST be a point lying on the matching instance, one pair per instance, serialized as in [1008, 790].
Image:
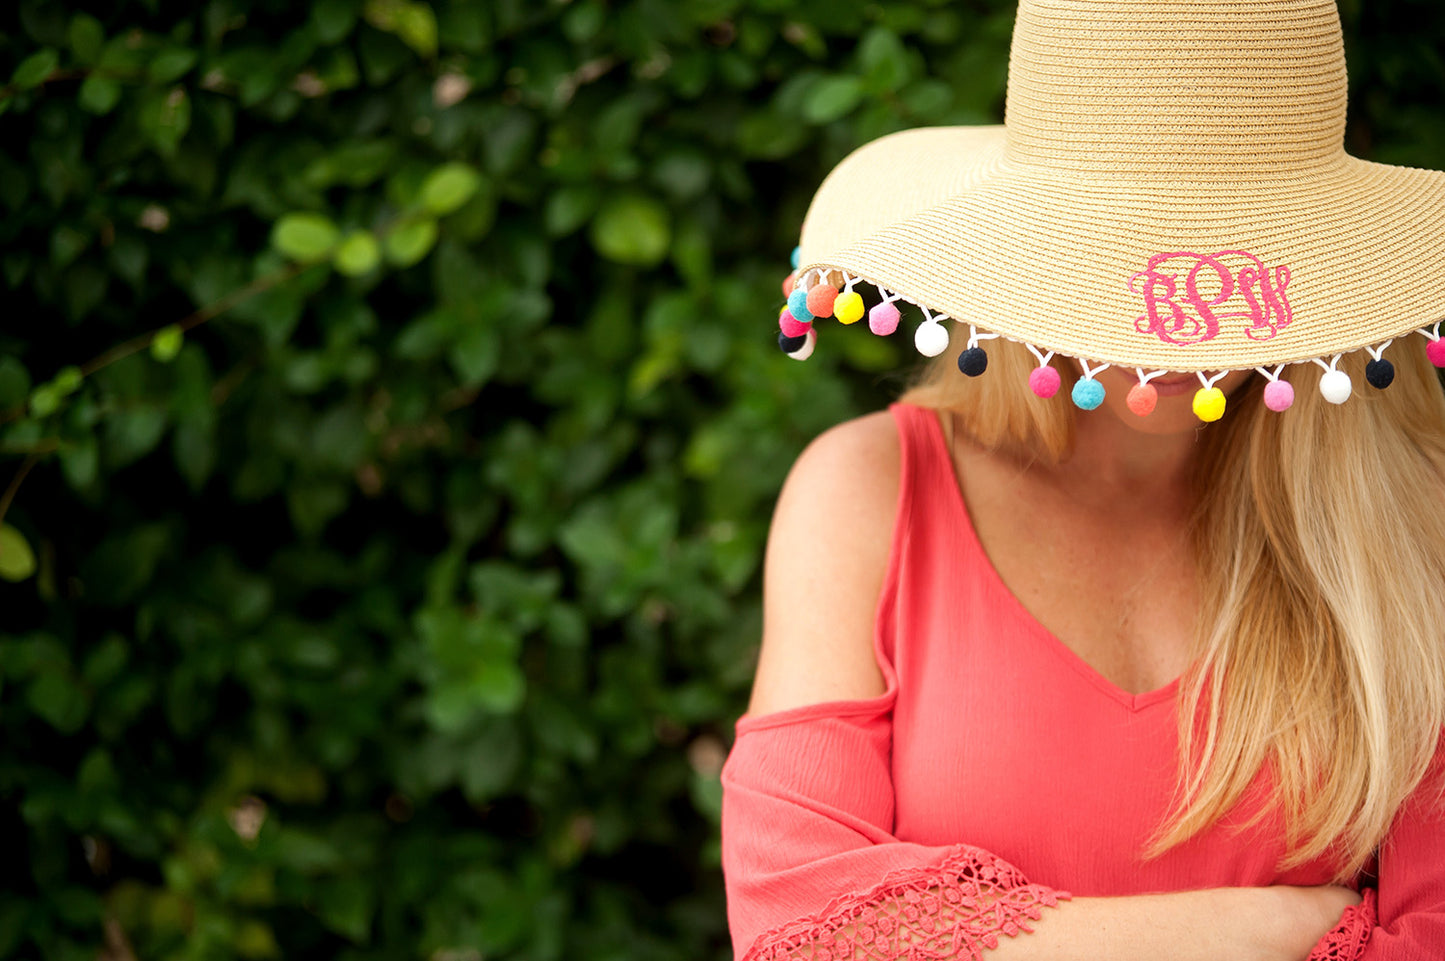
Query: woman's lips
[1176, 384]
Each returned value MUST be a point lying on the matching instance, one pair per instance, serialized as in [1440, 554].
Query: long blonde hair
[1320, 546]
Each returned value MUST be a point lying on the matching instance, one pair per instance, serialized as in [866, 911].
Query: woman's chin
[1173, 410]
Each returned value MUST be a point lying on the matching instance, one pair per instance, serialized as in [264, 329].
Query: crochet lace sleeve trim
[951, 910]
[1346, 941]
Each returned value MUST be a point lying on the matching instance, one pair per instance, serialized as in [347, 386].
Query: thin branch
[209, 312]
[194, 319]
[10, 90]
[47, 446]
[9, 495]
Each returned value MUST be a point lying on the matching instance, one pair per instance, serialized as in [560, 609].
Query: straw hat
[1169, 192]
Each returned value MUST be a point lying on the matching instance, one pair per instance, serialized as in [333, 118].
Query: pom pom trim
[931, 339]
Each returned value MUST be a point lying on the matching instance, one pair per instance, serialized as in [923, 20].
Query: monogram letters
[1188, 296]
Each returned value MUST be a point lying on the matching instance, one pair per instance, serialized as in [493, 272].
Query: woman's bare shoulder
[827, 555]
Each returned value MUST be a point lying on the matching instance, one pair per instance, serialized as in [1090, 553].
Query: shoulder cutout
[827, 556]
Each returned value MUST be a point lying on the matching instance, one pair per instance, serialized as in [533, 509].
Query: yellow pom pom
[1209, 404]
[848, 308]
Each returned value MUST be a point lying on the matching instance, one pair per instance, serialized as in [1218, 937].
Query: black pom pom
[973, 361]
[1380, 373]
[789, 344]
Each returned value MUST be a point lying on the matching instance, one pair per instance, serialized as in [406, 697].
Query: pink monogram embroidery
[1187, 296]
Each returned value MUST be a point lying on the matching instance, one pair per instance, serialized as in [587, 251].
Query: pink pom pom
[1436, 352]
[820, 300]
[883, 319]
[1279, 395]
[792, 326]
[1044, 381]
[1142, 399]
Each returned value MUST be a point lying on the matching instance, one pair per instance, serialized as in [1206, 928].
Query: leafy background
[389, 422]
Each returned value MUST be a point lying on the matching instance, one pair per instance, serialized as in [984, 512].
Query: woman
[1016, 648]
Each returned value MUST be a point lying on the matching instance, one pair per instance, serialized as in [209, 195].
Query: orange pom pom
[1142, 398]
[820, 300]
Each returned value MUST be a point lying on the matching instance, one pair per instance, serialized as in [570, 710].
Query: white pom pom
[931, 338]
[806, 351]
[1335, 386]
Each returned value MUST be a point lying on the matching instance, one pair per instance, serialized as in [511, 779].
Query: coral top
[996, 770]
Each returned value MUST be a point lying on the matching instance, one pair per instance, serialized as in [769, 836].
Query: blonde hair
[1320, 543]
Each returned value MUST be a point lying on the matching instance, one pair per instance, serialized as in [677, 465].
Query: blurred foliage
[390, 416]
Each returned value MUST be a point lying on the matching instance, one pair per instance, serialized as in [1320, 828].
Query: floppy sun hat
[1169, 192]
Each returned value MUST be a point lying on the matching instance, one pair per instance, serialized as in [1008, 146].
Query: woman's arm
[809, 798]
[1234, 923]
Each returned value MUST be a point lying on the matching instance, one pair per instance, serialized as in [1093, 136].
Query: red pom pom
[788, 283]
[1142, 398]
[820, 300]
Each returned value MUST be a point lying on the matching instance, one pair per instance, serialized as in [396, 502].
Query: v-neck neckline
[1129, 700]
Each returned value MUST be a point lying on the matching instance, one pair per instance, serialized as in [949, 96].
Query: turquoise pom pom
[798, 305]
[1088, 394]
[797, 255]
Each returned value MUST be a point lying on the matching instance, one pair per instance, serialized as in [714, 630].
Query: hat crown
[1199, 89]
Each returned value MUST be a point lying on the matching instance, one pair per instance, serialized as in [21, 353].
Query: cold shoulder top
[996, 773]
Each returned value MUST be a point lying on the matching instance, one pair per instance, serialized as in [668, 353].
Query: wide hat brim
[1153, 273]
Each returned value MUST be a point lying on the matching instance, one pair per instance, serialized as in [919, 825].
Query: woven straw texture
[1210, 131]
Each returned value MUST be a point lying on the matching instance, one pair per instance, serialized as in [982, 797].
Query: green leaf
[58, 700]
[99, 95]
[476, 354]
[68, 380]
[416, 25]
[358, 254]
[45, 400]
[832, 98]
[194, 448]
[494, 687]
[66, 244]
[131, 434]
[410, 242]
[255, 940]
[14, 382]
[568, 208]
[448, 187]
[171, 65]
[305, 237]
[314, 503]
[34, 69]
[165, 117]
[334, 19]
[346, 905]
[105, 661]
[884, 60]
[413, 23]
[166, 344]
[17, 560]
[87, 37]
[80, 463]
[122, 566]
[632, 229]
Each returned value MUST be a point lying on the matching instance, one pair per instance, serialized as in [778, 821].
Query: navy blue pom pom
[1380, 373]
[789, 344]
[973, 361]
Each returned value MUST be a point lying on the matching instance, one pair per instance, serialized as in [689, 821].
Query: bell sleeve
[1404, 919]
[812, 869]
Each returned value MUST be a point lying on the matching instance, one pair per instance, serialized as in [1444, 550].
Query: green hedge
[390, 417]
